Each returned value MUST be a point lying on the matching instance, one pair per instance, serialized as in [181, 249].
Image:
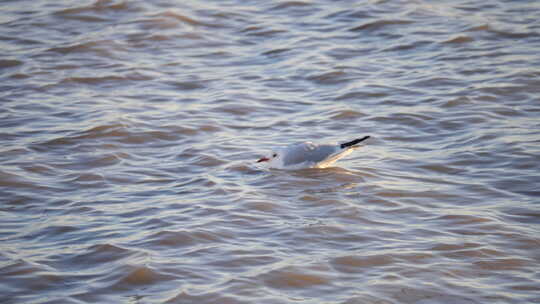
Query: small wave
[125, 134]
[183, 238]
[438, 82]
[347, 115]
[418, 121]
[379, 24]
[94, 257]
[19, 76]
[459, 40]
[207, 161]
[174, 239]
[349, 15]
[83, 18]
[504, 264]
[86, 162]
[260, 31]
[40, 169]
[344, 53]
[483, 27]
[235, 109]
[290, 4]
[186, 85]
[63, 233]
[205, 297]
[505, 34]
[241, 262]
[352, 264]
[34, 276]
[330, 78]
[158, 23]
[157, 37]
[88, 177]
[262, 206]
[16, 181]
[99, 6]
[456, 102]
[105, 253]
[463, 122]
[105, 136]
[20, 267]
[101, 48]
[112, 130]
[462, 219]
[407, 47]
[180, 17]
[441, 169]
[275, 52]
[361, 95]
[170, 19]
[293, 278]
[140, 275]
[452, 247]
[112, 80]
[4, 64]
[209, 128]
[93, 80]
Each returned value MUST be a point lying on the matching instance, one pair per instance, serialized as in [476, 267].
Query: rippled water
[129, 132]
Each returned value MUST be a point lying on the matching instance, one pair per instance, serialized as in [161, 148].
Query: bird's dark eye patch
[274, 155]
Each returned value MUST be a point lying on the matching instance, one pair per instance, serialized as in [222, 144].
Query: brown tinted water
[129, 131]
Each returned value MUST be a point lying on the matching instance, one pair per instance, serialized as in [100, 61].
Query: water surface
[129, 132]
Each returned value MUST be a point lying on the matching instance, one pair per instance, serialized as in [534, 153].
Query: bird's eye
[274, 155]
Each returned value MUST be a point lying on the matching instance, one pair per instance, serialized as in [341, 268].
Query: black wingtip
[354, 142]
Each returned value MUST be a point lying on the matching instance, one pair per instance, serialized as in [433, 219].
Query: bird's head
[271, 157]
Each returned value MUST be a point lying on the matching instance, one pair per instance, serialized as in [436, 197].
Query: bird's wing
[308, 152]
[334, 157]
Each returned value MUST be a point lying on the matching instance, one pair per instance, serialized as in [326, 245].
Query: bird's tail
[354, 142]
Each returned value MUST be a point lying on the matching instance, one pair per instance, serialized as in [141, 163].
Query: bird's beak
[263, 159]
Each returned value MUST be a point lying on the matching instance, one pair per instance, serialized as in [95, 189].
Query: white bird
[309, 155]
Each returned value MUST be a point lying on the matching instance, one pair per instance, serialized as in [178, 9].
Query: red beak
[263, 159]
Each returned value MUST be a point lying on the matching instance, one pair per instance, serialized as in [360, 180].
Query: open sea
[129, 132]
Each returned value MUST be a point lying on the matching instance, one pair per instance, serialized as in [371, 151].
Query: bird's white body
[309, 155]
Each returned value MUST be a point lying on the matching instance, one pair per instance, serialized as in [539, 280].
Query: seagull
[309, 155]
